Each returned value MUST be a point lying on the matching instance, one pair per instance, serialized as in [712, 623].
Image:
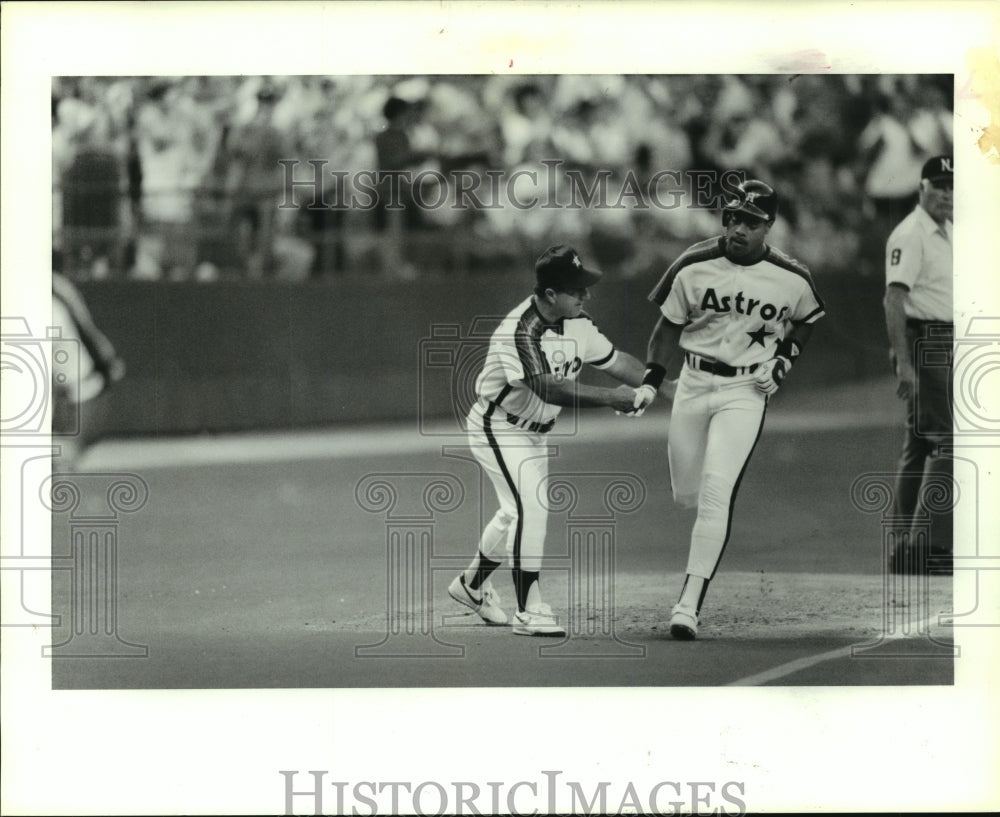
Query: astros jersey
[733, 313]
[525, 345]
[918, 258]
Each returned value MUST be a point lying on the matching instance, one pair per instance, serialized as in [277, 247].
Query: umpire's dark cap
[561, 268]
[938, 169]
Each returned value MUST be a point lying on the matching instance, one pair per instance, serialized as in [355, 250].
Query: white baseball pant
[517, 463]
[714, 426]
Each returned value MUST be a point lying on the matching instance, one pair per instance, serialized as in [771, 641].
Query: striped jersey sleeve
[702, 251]
[677, 309]
[527, 341]
[809, 308]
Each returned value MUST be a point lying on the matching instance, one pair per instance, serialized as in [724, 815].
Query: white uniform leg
[493, 542]
[517, 465]
[688, 436]
[737, 416]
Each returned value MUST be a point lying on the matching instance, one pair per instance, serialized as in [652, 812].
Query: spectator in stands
[651, 117]
[165, 246]
[178, 136]
[464, 132]
[526, 126]
[742, 137]
[894, 159]
[932, 123]
[395, 152]
[254, 182]
[91, 200]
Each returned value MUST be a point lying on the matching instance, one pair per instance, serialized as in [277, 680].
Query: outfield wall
[248, 355]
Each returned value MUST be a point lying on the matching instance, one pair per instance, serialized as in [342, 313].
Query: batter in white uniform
[740, 312]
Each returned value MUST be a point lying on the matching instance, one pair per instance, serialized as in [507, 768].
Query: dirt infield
[267, 561]
[784, 629]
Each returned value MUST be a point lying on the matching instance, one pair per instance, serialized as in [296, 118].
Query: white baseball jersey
[735, 313]
[918, 256]
[524, 345]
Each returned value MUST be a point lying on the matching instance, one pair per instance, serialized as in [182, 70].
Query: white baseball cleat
[487, 607]
[539, 621]
[683, 623]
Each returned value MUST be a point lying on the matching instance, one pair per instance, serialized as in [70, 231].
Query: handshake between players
[644, 395]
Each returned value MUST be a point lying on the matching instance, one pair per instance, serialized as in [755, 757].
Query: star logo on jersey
[758, 336]
[577, 262]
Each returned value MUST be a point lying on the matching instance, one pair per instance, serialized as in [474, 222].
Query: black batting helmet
[755, 198]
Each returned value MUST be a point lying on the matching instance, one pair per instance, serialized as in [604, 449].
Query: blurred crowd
[181, 178]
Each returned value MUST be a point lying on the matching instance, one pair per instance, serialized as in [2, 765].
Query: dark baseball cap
[561, 268]
[937, 169]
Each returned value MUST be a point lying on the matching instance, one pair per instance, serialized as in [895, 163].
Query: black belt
[534, 427]
[717, 367]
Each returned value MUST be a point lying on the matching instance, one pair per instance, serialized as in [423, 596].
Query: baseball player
[740, 312]
[529, 375]
[98, 367]
[918, 307]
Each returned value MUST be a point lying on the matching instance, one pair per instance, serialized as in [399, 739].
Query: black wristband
[788, 348]
[654, 375]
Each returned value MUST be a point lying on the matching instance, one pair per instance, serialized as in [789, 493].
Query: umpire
[918, 314]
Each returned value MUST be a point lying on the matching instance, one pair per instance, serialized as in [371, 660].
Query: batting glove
[770, 375]
[644, 397]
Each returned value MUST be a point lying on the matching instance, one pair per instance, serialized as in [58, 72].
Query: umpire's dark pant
[925, 463]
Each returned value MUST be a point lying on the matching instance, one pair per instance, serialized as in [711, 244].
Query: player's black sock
[484, 568]
[523, 580]
[701, 596]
